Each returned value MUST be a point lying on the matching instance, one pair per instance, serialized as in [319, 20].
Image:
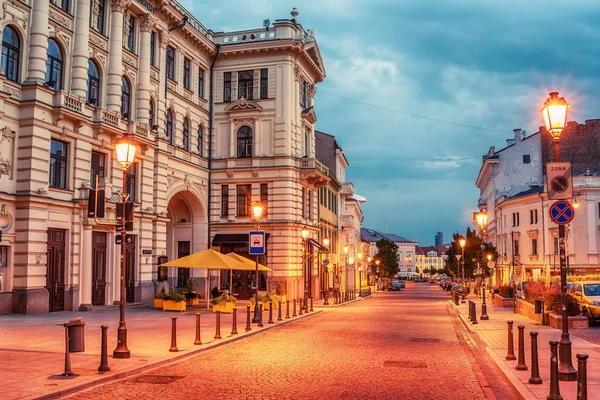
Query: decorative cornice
[243, 105]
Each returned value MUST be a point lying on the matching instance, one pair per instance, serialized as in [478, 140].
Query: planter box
[158, 303]
[226, 307]
[528, 309]
[170, 305]
[193, 302]
[259, 303]
[576, 322]
[505, 302]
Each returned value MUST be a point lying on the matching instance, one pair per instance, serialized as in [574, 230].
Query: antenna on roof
[386, 226]
[266, 23]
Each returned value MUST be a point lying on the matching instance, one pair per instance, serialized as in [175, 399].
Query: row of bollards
[472, 312]
[340, 297]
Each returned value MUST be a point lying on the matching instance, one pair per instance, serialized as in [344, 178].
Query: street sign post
[257, 242]
[561, 212]
[560, 180]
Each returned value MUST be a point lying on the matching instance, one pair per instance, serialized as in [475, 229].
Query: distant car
[521, 289]
[402, 285]
[394, 285]
[587, 294]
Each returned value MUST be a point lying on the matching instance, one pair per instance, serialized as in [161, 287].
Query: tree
[387, 254]
[473, 255]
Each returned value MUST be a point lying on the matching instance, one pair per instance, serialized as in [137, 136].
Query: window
[130, 33]
[93, 84]
[244, 200]
[97, 168]
[10, 53]
[186, 135]
[153, 48]
[64, 4]
[130, 181]
[125, 98]
[200, 142]
[306, 143]
[555, 241]
[201, 83]
[186, 74]
[264, 197]
[162, 271]
[526, 159]
[58, 164]
[224, 200]
[245, 84]
[303, 203]
[304, 94]
[264, 83]
[515, 219]
[227, 86]
[516, 247]
[534, 247]
[170, 63]
[309, 204]
[533, 217]
[169, 128]
[99, 22]
[244, 142]
[152, 114]
[54, 65]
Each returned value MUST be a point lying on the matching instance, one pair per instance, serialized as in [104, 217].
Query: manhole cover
[404, 364]
[155, 379]
[427, 340]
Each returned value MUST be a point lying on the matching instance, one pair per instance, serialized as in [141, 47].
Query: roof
[423, 250]
[532, 190]
[372, 236]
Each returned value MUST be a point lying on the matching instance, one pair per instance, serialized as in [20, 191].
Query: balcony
[347, 189]
[346, 221]
[107, 121]
[69, 106]
[312, 172]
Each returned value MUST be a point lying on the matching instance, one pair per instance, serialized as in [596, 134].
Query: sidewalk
[492, 335]
[32, 347]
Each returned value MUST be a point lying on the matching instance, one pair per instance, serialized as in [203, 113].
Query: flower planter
[504, 302]
[158, 303]
[170, 305]
[575, 322]
[226, 307]
[528, 309]
[192, 302]
[283, 298]
[259, 303]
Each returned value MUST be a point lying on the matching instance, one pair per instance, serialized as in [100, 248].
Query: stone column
[85, 269]
[80, 49]
[38, 42]
[143, 97]
[162, 105]
[115, 55]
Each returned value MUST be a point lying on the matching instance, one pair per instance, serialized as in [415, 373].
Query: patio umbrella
[248, 262]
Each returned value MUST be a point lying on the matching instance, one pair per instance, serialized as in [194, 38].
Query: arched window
[200, 142]
[54, 65]
[186, 134]
[170, 63]
[244, 142]
[152, 114]
[125, 98]
[11, 46]
[306, 143]
[169, 130]
[93, 84]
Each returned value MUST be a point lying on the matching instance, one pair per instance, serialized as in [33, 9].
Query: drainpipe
[210, 136]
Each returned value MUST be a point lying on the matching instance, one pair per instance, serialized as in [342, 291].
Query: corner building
[220, 120]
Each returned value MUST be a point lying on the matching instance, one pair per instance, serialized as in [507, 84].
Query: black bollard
[300, 309]
[198, 341]
[535, 369]
[294, 314]
[270, 313]
[234, 329]
[511, 348]
[279, 311]
[248, 328]
[68, 371]
[554, 388]
[521, 366]
[218, 326]
[326, 299]
[103, 352]
[311, 304]
[173, 334]
[474, 313]
[260, 324]
[335, 298]
[582, 376]
[287, 309]
[469, 317]
[305, 305]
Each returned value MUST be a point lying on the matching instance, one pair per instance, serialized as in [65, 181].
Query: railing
[347, 189]
[191, 20]
[107, 116]
[70, 101]
[138, 129]
[248, 36]
[311, 163]
[146, 5]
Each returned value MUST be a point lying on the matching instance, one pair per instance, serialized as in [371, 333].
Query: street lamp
[376, 272]
[482, 222]
[125, 152]
[326, 275]
[345, 267]
[305, 271]
[462, 241]
[555, 117]
[360, 268]
[257, 211]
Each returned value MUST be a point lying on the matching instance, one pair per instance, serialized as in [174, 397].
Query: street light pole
[326, 274]
[462, 243]
[482, 222]
[360, 267]
[257, 211]
[305, 271]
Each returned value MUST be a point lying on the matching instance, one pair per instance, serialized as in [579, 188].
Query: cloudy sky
[418, 90]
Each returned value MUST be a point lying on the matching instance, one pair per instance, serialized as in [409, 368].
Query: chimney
[510, 141]
[517, 133]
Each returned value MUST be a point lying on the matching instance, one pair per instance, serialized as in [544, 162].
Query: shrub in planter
[552, 302]
[505, 291]
[224, 303]
[159, 298]
[175, 301]
[535, 291]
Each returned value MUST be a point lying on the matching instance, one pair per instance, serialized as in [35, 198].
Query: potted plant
[281, 291]
[191, 296]
[159, 298]
[224, 303]
[272, 297]
[261, 300]
[175, 301]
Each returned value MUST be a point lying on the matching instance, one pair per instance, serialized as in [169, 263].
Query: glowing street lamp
[462, 241]
[482, 218]
[305, 271]
[257, 211]
[555, 117]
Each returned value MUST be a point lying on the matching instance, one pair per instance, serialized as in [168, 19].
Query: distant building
[406, 248]
[430, 257]
[439, 239]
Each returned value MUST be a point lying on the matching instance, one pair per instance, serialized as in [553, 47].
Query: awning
[233, 238]
[316, 244]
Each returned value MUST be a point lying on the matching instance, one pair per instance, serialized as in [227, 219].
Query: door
[98, 268]
[55, 269]
[183, 274]
[130, 269]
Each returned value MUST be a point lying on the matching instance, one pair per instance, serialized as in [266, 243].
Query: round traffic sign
[561, 212]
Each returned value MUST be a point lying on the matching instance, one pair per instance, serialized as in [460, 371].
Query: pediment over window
[309, 114]
[243, 104]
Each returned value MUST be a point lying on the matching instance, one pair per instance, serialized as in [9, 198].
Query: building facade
[406, 249]
[430, 258]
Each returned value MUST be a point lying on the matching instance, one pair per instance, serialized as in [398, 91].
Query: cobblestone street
[398, 345]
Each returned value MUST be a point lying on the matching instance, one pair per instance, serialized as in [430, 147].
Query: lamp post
[554, 112]
[257, 211]
[305, 271]
[376, 272]
[360, 268]
[125, 152]
[345, 267]
[482, 222]
[326, 274]
[462, 241]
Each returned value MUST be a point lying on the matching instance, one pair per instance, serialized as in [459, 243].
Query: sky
[417, 91]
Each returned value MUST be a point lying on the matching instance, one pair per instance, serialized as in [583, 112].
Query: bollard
[326, 299]
[311, 304]
[582, 376]
[173, 334]
[469, 317]
[535, 369]
[294, 314]
[198, 341]
[287, 309]
[474, 313]
[456, 299]
[554, 388]
[103, 353]
[68, 371]
[218, 326]
[521, 366]
[248, 328]
[260, 324]
[335, 298]
[270, 313]
[511, 348]
[234, 329]
[279, 311]
[300, 309]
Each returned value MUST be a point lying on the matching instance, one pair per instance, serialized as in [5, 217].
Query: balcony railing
[70, 101]
[311, 163]
[347, 189]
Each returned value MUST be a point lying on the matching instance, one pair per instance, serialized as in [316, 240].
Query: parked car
[587, 294]
[402, 284]
[394, 285]
[521, 289]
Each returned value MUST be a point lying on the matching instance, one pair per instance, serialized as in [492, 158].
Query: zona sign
[561, 212]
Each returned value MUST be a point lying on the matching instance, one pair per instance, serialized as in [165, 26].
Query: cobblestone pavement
[400, 345]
